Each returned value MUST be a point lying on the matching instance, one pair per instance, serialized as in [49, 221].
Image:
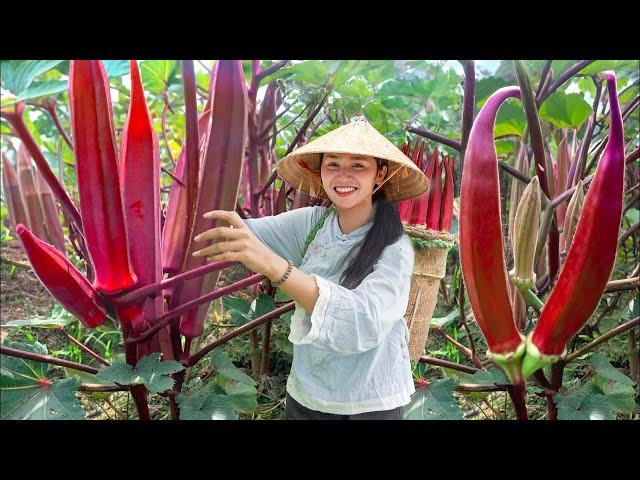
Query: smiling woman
[351, 286]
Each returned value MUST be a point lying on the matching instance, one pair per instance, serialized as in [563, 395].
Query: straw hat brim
[301, 168]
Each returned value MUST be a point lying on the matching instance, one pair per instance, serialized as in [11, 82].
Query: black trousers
[295, 411]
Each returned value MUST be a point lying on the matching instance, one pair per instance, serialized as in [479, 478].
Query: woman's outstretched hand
[238, 244]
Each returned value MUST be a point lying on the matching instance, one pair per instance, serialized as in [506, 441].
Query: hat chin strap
[389, 177]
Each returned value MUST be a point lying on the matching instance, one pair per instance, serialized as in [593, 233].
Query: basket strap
[315, 229]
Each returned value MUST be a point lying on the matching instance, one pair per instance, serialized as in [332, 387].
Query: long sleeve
[285, 234]
[353, 321]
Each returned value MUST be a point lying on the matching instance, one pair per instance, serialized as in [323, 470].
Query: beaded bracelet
[283, 279]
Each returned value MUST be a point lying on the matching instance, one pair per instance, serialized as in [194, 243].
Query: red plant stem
[272, 178]
[96, 387]
[176, 179]
[468, 101]
[83, 347]
[468, 352]
[262, 74]
[423, 132]
[149, 290]
[193, 158]
[289, 123]
[603, 338]
[307, 122]
[567, 195]
[514, 172]
[14, 352]
[444, 363]
[628, 233]
[632, 156]
[50, 106]
[624, 284]
[163, 124]
[517, 393]
[173, 315]
[196, 357]
[543, 166]
[16, 121]
[566, 75]
[543, 77]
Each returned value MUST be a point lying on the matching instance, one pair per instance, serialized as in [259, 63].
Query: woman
[351, 286]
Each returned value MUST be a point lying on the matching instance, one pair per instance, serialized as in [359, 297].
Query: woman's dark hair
[386, 230]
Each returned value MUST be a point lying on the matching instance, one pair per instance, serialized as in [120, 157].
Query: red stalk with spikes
[97, 176]
[592, 254]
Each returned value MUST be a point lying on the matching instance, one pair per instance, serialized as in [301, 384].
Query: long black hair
[386, 230]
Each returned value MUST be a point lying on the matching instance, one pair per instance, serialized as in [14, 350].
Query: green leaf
[226, 368]
[601, 365]
[510, 120]
[490, 377]
[436, 402]
[155, 373]
[202, 404]
[149, 371]
[243, 397]
[621, 397]
[565, 110]
[27, 393]
[485, 87]
[156, 74]
[17, 75]
[116, 68]
[263, 305]
[600, 66]
[581, 406]
[58, 317]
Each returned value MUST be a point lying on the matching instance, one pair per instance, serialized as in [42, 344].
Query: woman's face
[357, 173]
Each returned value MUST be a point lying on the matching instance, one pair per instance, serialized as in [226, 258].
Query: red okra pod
[17, 213]
[592, 253]
[62, 279]
[435, 196]
[447, 197]
[140, 183]
[481, 240]
[97, 176]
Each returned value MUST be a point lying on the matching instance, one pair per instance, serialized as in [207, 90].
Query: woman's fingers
[219, 232]
[221, 247]
[231, 217]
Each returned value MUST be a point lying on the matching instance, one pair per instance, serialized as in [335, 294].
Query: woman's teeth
[345, 190]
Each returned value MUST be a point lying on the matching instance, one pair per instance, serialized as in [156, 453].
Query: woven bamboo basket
[431, 249]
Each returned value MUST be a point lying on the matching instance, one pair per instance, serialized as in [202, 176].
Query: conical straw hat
[301, 168]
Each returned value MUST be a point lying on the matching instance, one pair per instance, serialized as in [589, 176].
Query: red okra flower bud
[63, 280]
[526, 227]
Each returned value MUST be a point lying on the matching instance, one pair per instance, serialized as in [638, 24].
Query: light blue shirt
[350, 354]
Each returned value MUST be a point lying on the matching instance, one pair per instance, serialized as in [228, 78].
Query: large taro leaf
[204, 404]
[149, 371]
[436, 402]
[28, 393]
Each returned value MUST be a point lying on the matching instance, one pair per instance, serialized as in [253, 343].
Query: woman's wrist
[278, 268]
